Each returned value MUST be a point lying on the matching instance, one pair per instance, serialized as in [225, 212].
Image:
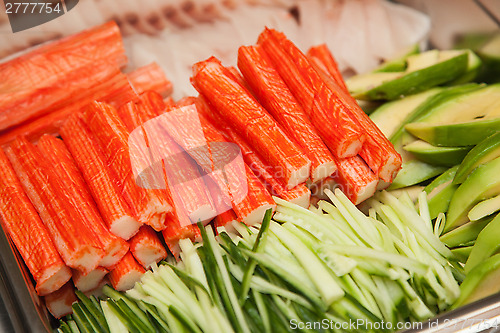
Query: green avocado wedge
[473, 69]
[445, 156]
[462, 253]
[455, 134]
[398, 62]
[486, 244]
[483, 152]
[393, 85]
[465, 234]
[414, 172]
[480, 282]
[440, 191]
[483, 183]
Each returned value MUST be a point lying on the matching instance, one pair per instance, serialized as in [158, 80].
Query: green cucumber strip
[185, 320]
[127, 321]
[188, 279]
[214, 252]
[318, 273]
[63, 327]
[391, 258]
[93, 310]
[81, 319]
[263, 312]
[245, 284]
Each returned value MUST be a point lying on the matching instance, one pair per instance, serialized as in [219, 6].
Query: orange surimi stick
[89, 281]
[355, 179]
[265, 173]
[146, 247]
[150, 77]
[54, 73]
[75, 242]
[59, 302]
[27, 231]
[59, 157]
[321, 57]
[247, 116]
[104, 122]
[115, 91]
[274, 95]
[90, 159]
[332, 119]
[222, 220]
[126, 273]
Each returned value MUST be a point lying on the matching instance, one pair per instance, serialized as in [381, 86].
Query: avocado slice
[486, 244]
[398, 62]
[483, 183]
[484, 208]
[439, 69]
[465, 234]
[455, 134]
[391, 116]
[490, 55]
[462, 120]
[480, 282]
[414, 172]
[445, 156]
[473, 69]
[462, 253]
[440, 191]
[483, 152]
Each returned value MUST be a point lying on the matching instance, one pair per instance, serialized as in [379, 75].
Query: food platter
[279, 113]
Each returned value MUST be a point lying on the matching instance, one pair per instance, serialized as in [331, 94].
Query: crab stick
[150, 77]
[321, 57]
[104, 122]
[126, 273]
[27, 231]
[376, 151]
[272, 92]
[355, 179]
[239, 108]
[333, 120]
[75, 242]
[224, 219]
[59, 157]
[115, 91]
[182, 173]
[253, 160]
[89, 281]
[52, 74]
[59, 302]
[146, 247]
[100, 179]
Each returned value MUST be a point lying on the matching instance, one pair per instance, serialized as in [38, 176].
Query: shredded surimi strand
[150, 77]
[104, 122]
[75, 242]
[250, 119]
[90, 159]
[146, 247]
[274, 95]
[59, 302]
[333, 120]
[30, 236]
[57, 154]
[126, 273]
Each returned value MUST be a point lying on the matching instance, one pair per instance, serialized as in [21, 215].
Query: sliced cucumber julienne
[464, 234]
[486, 244]
[455, 134]
[483, 152]
[445, 156]
[390, 117]
[408, 83]
[480, 282]
[483, 183]
[114, 323]
[414, 172]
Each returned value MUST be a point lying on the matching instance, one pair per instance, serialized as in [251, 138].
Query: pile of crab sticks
[86, 193]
